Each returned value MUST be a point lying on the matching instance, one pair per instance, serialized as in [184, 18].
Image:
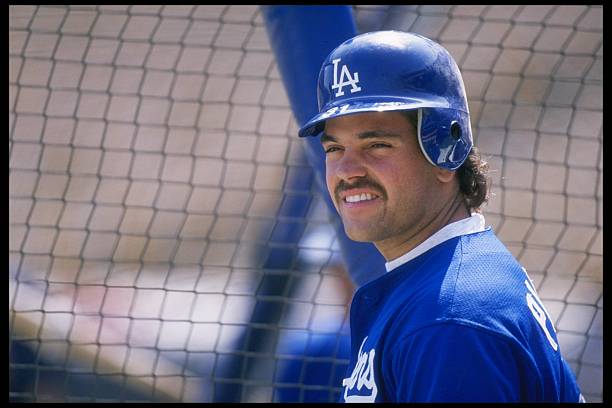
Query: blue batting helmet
[393, 70]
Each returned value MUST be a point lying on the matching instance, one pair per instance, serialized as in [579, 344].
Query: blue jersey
[459, 322]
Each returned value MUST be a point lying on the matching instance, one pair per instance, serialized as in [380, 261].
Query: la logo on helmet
[345, 79]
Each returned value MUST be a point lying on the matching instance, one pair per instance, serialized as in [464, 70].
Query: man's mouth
[359, 193]
[356, 198]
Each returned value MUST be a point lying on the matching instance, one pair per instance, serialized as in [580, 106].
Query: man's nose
[350, 166]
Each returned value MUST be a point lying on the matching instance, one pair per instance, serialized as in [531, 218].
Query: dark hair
[472, 174]
[473, 180]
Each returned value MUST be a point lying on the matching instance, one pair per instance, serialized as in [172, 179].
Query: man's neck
[456, 211]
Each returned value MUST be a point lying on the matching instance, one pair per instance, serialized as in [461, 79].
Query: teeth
[359, 197]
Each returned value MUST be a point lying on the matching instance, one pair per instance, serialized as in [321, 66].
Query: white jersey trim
[475, 223]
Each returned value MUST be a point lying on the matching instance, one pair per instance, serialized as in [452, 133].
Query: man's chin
[360, 234]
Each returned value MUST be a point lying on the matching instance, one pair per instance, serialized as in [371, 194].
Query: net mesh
[166, 239]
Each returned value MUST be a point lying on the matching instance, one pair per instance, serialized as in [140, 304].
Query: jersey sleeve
[458, 363]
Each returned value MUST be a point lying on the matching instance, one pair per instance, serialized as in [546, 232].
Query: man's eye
[331, 149]
[380, 145]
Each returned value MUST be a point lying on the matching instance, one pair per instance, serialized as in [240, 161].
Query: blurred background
[168, 240]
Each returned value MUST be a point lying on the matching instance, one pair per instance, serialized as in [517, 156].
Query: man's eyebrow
[327, 138]
[368, 134]
[376, 134]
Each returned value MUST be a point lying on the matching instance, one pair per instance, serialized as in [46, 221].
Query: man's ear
[443, 175]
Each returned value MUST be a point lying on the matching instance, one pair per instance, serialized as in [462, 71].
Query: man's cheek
[330, 190]
[329, 179]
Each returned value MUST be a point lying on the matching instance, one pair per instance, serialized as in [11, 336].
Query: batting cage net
[168, 240]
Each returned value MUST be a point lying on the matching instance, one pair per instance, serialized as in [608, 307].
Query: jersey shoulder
[470, 280]
[487, 286]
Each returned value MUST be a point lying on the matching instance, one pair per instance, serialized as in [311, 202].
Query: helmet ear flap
[445, 136]
[455, 130]
[420, 137]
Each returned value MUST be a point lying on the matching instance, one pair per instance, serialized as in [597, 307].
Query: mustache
[360, 183]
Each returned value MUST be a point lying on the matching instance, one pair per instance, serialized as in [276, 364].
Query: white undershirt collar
[475, 223]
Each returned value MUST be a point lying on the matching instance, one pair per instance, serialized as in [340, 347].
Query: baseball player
[456, 317]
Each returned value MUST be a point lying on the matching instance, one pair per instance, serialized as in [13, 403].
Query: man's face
[381, 184]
